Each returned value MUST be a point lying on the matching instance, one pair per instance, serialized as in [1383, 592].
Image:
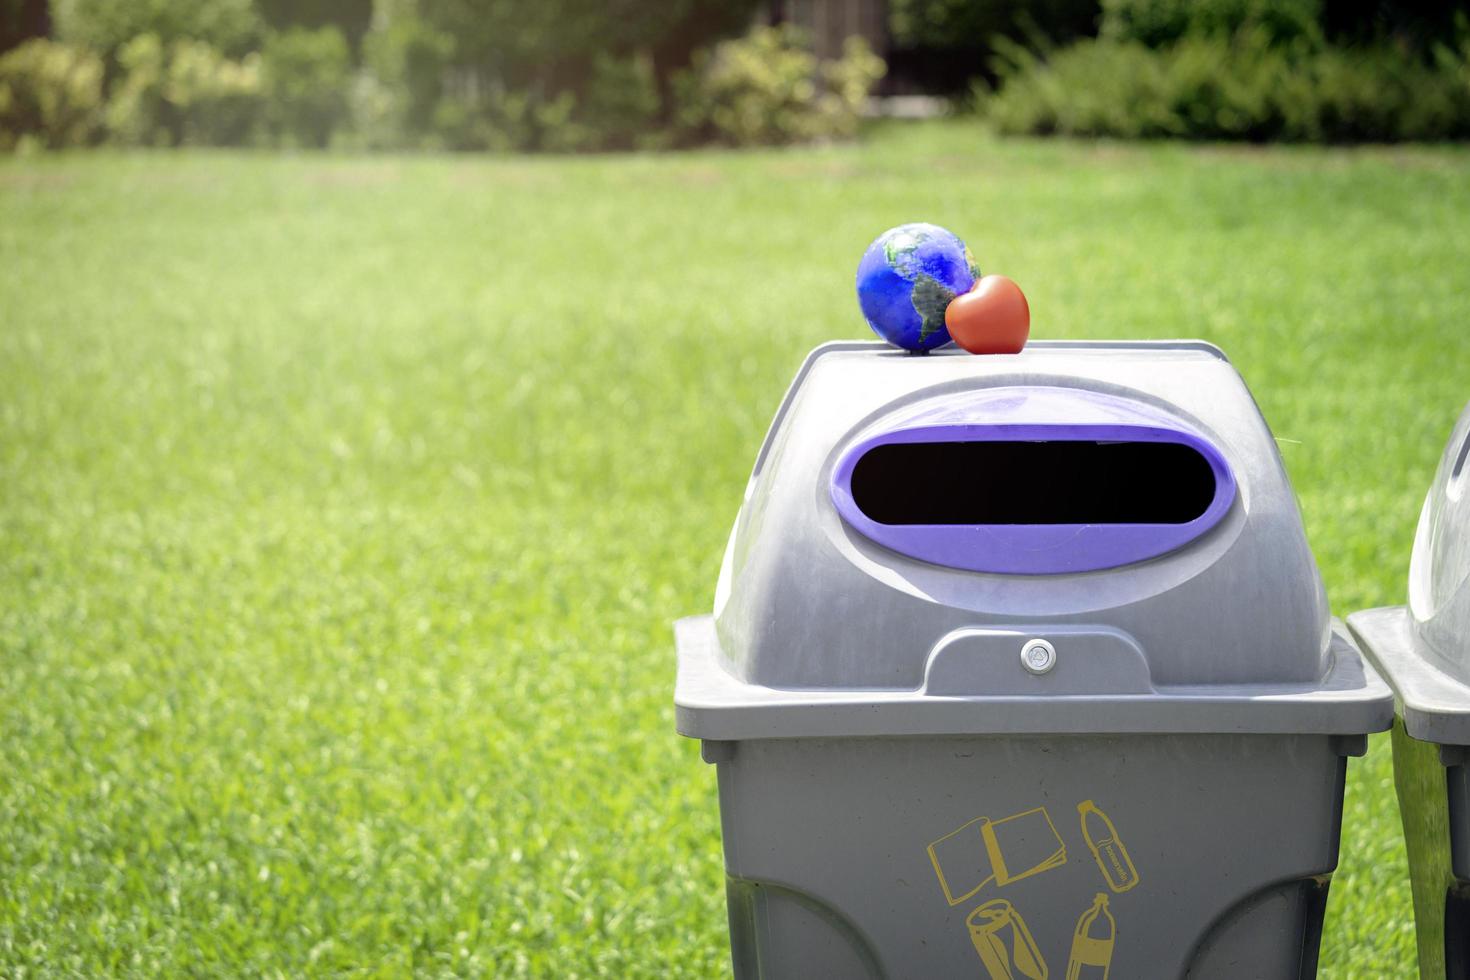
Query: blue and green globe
[906, 279]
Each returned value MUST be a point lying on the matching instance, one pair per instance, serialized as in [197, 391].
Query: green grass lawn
[345, 504]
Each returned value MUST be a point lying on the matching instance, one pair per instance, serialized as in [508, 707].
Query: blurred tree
[622, 101]
[1417, 25]
[1159, 22]
[305, 74]
[941, 45]
[551, 45]
[351, 17]
[406, 62]
[961, 23]
[232, 26]
[21, 20]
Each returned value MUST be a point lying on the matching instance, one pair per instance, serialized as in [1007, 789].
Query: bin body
[1020, 666]
[1423, 650]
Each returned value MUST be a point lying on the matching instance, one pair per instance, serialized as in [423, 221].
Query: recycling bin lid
[1081, 538]
[1423, 648]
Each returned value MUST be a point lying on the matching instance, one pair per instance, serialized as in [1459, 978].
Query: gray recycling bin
[1423, 649]
[1020, 667]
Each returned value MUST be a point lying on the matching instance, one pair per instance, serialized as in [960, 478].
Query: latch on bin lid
[1053, 661]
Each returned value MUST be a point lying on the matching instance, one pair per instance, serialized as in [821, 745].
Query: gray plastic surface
[819, 630]
[902, 795]
[1424, 649]
[871, 857]
[989, 692]
[805, 601]
[1434, 704]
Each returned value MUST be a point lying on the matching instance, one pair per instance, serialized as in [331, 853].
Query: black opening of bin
[1045, 482]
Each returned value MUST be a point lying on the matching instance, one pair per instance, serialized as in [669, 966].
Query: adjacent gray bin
[1424, 652]
[1020, 667]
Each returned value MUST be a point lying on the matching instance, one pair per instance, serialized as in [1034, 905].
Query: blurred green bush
[305, 74]
[1245, 86]
[410, 95]
[554, 75]
[50, 95]
[548, 46]
[943, 45]
[768, 87]
[1156, 23]
[623, 102]
[351, 17]
[573, 75]
[394, 99]
[232, 26]
[184, 93]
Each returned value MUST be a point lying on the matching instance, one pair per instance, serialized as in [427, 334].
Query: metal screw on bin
[1038, 656]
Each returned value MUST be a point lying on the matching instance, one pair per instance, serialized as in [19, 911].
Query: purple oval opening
[1120, 485]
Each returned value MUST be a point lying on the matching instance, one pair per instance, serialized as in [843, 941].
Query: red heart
[992, 318]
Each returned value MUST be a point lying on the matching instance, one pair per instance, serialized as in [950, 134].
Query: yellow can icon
[1004, 943]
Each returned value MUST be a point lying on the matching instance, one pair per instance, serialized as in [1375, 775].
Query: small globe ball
[907, 278]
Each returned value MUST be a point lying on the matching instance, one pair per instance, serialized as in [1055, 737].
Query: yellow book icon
[1003, 851]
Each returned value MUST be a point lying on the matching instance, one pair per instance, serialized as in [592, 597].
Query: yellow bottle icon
[1092, 942]
[1006, 948]
[1107, 850]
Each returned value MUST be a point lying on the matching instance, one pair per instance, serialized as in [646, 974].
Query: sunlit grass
[345, 504]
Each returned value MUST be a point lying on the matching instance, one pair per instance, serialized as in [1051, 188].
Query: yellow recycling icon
[1003, 851]
[1107, 849]
[1092, 941]
[1006, 948]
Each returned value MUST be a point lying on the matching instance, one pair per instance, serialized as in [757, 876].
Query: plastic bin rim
[711, 703]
